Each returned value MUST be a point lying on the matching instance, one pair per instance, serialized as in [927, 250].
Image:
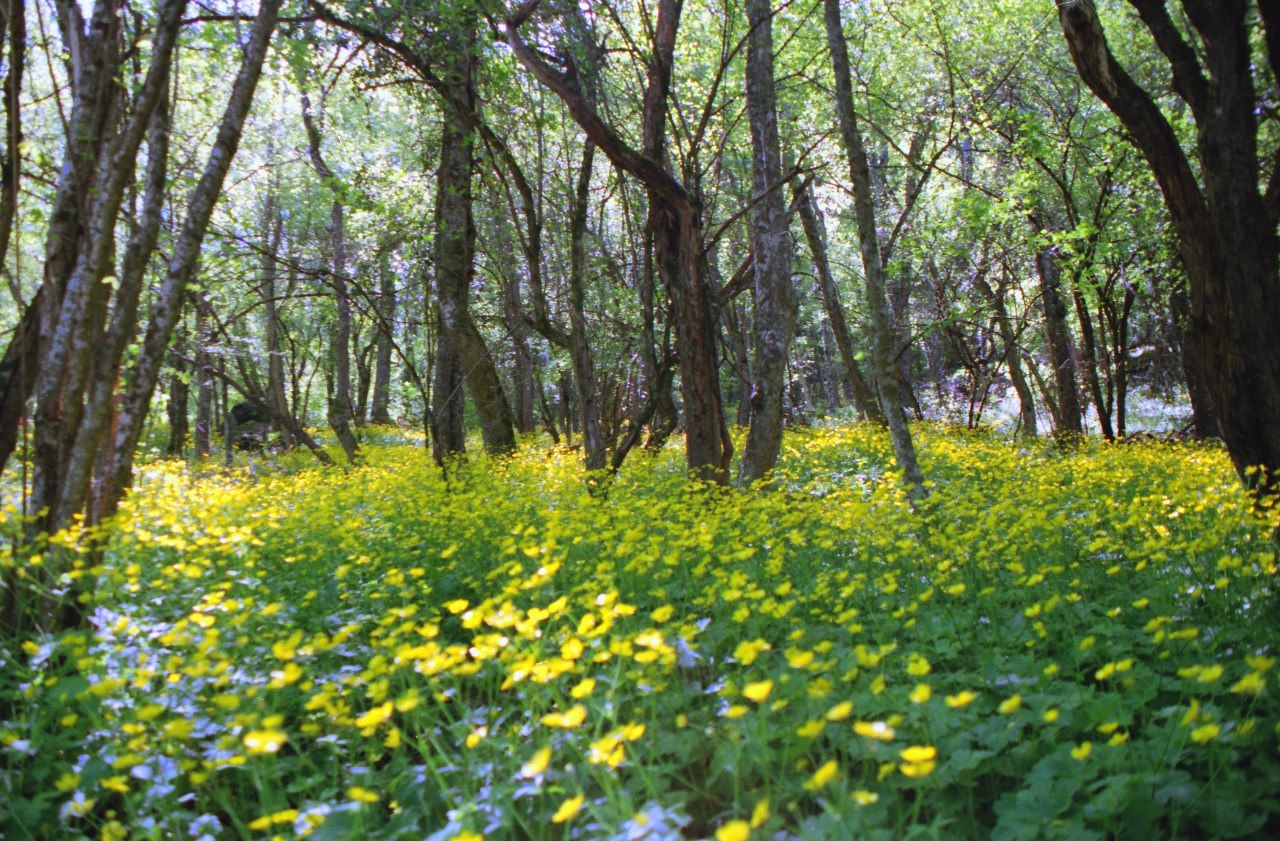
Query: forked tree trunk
[1225, 220]
[675, 226]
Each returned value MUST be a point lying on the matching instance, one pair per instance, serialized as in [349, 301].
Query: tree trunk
[1204, 417]
[455, 246]
[1092, 365]
[341, 407]
[276, 395]
[1058, 337]
[204, 378]
[13, 25]
[877, 300]
[448, 405]
[675, 225]
[776, 304]
[380, 408]
[1012, 355]
[1226, 225]
[864, 397]
[594, 448]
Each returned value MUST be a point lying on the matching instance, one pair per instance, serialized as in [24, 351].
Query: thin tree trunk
[166, 307]
[276, 395]
[776, 304]
[864, 397]
[877, 300]
[14, 25]
[340, 409]
[1012, 354]
[675, 225]
[1058, 336]
[1092, 365]
[204, 379]
[380, 408]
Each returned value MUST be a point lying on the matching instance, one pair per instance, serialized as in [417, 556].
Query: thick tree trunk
[1226, 225]
[455, 248]
[776, 304]
[448, 404]
[891, 399]
[1204, 416]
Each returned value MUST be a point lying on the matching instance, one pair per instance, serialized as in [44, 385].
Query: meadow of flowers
[1056, 644]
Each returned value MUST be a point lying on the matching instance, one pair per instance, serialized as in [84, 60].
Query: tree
[877, 299]
[775, 296]
[1224, 216]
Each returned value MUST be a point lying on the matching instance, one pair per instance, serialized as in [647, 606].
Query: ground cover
[1056, 645]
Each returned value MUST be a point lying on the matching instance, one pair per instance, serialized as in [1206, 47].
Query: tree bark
[776, 304]
[864, 397]
[340, 409]
[380, 403]
[675, 225]
[877, 299]
[166, 307]
[455, 245]
[1058, 337]
[1226, 224]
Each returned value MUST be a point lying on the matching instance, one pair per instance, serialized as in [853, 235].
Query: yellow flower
[918, 753]
[583, 688]
[873, 730]
[1251, 684]
[1205, 733]
[757, 691]
[118, 783]
[961, 699]
[1010, 704]
[864, 798]
[760, 814]
[573, 717]
[362, 795]
[1081, 751]
[825, 774]
[737, 830]
[917, 666]
[568, 809]
[537, 763]
[265, 741]
[375, 716]
[840, 711]
[921, 693]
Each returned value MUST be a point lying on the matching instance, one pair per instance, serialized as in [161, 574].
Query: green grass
[1056, 645]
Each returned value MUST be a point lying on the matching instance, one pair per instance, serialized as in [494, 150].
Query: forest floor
[1056, 644]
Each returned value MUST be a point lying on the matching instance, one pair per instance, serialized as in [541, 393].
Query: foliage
[1056, 645]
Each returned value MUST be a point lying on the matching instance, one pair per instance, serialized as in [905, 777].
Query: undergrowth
[1056, 645]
